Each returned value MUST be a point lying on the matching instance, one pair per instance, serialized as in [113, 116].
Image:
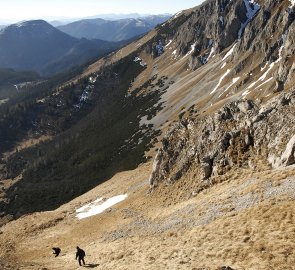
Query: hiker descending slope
[57, 251]
[80, 254]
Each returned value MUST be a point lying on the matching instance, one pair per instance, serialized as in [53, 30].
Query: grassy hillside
[94, 140]
[245, 222]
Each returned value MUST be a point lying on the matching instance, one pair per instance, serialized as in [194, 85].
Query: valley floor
[246, 222]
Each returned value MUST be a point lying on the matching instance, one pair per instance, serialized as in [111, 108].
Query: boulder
[279, 86]
[156, 168]
[245, 106]
[266, 16]
[249, 141]
[207, 167]
[224, 114]
[225, 268]
[206, 170]
[284, 101]
[288, 157]
[274, 161]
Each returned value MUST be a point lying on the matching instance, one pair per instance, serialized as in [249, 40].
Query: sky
[18, 10]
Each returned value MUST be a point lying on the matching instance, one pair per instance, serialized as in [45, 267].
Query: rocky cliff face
[262, 33]
[242, 134]
[215, 24]
[251, 126]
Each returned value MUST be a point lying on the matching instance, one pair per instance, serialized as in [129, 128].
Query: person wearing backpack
[56, 250]
[80, 254]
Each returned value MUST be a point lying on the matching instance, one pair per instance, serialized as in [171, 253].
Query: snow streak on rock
[192, 49]
[211, 53]
[232, 83]
[177, 14]
[221, 19]
[220, 81]
[229, 52]
[245, 93]
[263, 77]
[252, 9]
[268, 80]
[170, 41]
[140, 61]
[207, 57]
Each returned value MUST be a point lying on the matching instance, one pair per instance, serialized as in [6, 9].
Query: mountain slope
[210, 96]
[112, 30]
[242, 224]
[220, 86]
[36, 45]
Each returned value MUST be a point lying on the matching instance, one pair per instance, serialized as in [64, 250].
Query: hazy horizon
[75, 9]
[70, 19]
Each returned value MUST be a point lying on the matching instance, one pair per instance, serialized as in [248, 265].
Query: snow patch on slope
[268, 66]
[245, 94]
[223, 65]
[263, 76]
[170, 41]
[211, 53]
[98, 206]
[232, 83]
[206, 58]
[268, 80]
[140, 61]
[229, 52]
[220, 81]
[192, 49]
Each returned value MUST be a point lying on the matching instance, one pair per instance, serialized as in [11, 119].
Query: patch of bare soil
[247, 221]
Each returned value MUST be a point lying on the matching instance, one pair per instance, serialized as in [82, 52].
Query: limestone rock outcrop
[288, 157]
[239, 135]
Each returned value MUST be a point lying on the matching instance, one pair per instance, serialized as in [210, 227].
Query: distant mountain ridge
[110, 30]
[110, 16]
[37, 45]
[116, 16]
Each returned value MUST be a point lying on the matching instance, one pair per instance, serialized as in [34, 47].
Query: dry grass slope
[246, 221]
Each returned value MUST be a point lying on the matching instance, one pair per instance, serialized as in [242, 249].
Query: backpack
[82, 253]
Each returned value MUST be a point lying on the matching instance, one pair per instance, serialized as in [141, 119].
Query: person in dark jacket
[56, 250]
[80, 254]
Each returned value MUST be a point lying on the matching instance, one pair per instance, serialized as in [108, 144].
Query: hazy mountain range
[55, 21]
[37, 45]
[114, 30]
